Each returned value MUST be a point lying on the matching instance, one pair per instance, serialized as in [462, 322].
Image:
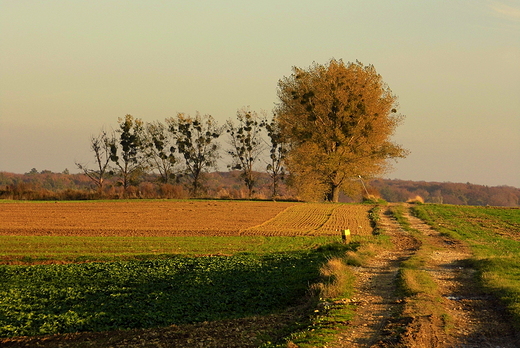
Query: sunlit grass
[59, 248]
[413, 280]
[494, 237]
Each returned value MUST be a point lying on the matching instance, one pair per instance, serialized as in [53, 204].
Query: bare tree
[100, 145]
[277, 152]
[196, 142]
[246, 145]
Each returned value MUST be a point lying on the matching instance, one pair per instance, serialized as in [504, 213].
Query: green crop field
[158, 265]
[48, 299]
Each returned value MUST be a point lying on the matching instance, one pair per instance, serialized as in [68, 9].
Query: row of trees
[332, 124]
[185, 147]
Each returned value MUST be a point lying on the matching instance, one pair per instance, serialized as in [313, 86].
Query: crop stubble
[315, 219]
[134, 218]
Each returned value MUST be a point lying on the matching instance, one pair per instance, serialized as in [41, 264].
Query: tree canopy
[246, 145]
[196, 139]
[126, 152]
[337, 119]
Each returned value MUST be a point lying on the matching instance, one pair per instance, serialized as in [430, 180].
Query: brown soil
[179, 218]
[131, 219]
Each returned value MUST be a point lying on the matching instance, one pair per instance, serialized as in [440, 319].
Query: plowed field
[179, 218]
[135, 218]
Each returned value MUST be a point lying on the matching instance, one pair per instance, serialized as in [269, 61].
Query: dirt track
[478, 319]
[384, 320]
[375, 291]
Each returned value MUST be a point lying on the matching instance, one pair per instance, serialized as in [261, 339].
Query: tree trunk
[333, 195]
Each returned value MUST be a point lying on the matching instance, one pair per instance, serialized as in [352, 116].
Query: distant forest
[46, 185]
[447, 192]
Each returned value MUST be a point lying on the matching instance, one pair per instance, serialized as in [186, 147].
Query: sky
[69, 69]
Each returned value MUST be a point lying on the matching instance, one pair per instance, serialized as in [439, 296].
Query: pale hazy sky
[69, 68]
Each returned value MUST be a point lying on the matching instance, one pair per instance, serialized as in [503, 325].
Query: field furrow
[136, 218]
[297, 220]
[352, 217]
[315, 220]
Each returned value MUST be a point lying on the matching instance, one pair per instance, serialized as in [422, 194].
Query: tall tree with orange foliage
[337, 119]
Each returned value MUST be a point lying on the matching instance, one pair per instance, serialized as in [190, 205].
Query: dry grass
[337, 277]
[417, 199]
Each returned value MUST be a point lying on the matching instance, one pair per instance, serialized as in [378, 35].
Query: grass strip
[493, 235]
[46, 249]
[374, 216]
[332, 312]
[414, 282]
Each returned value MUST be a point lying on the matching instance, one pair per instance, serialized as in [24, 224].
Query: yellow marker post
[346, 236]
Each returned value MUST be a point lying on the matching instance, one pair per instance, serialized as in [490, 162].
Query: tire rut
[375, 296]
[474, 319]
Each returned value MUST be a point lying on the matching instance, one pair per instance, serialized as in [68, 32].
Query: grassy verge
[332, 312]
[39, 249]
[414, 282]
[494, 237]
[374, 215]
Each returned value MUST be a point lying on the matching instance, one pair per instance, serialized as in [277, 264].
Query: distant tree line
[446, 193]
[46, 185]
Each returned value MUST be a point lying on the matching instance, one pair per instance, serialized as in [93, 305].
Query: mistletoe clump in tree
[126, 152]
[160, 151]
[246, 145]
[196, 140]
